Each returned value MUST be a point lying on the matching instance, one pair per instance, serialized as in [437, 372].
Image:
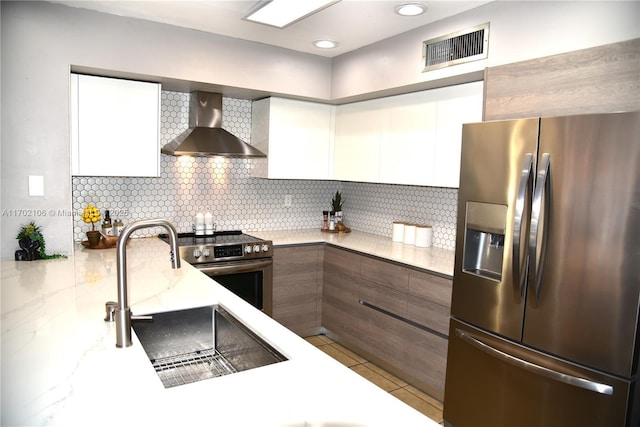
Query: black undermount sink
[195, 344]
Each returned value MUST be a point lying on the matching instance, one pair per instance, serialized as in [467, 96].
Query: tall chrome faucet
[122, 311]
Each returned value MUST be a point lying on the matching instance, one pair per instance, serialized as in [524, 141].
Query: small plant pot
[94, 238]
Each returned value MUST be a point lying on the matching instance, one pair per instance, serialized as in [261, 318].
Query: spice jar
[325, 220]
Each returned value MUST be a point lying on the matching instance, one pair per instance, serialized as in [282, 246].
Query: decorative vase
[94, 238]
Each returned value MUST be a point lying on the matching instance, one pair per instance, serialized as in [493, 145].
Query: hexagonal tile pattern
[238, 201]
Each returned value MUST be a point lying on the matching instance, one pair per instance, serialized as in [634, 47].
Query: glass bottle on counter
[325, 220]
[118, 225]
[107, 227]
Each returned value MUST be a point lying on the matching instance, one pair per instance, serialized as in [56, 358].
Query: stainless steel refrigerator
[546, 287]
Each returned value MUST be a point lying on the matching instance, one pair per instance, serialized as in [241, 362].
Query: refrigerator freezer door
[492, 382]
[585, 306]
[494, 155]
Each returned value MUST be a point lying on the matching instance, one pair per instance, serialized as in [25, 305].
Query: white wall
[40, 41]
[519, 30]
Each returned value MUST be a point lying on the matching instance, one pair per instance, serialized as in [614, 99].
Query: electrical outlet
[287, 201]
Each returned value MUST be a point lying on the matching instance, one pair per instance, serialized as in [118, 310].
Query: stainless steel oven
[239, 262]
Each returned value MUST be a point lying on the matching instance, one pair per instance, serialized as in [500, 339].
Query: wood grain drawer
[430, 287]
[385, 273]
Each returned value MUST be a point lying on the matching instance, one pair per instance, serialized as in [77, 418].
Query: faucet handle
[110, 308]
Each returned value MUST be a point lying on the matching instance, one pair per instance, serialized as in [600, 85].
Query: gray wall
[519, 30]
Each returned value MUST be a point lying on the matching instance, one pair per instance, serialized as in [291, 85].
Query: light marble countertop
[432, 259]
[60, 365]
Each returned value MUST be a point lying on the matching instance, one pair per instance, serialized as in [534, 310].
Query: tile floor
[422, 402]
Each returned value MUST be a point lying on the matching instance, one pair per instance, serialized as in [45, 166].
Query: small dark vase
[30, 250]
[94, 238]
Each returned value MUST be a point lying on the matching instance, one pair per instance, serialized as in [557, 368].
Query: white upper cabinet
[411, 139]
[358, 130]
[456, 105]
[115, 127]
[297, 137]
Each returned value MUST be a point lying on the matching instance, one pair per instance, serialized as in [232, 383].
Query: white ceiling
[353, 23]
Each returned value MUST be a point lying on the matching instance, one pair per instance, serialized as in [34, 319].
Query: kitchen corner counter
[60, 365]
[432, 259]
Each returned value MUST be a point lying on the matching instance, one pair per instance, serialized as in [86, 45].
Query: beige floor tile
[350, 353]
[316, 340]
[340, 356]
[424, 396]
[375, 378]
[386, 374]
[418, 404]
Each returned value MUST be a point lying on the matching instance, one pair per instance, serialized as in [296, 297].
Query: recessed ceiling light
[411, 9]
[280, 13]
[325, 44]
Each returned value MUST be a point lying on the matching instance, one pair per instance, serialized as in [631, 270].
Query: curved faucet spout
[123, 312]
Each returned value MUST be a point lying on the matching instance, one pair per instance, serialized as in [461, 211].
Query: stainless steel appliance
[546, 288]
[239, 262]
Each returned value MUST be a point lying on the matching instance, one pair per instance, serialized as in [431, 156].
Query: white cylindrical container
[208, 224]
[423, 236]
[409, 237]
[199, 224]
[398, 231]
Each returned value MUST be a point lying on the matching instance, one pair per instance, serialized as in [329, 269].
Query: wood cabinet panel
[340, 306]
[426, 359]
[385, 273]
[383, 297]
[430, 287]
[596, 80]
[297, 288]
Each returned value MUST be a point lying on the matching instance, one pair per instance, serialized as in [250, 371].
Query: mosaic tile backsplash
[225, 188]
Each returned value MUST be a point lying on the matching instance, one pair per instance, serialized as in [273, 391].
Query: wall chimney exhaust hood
[205, 136]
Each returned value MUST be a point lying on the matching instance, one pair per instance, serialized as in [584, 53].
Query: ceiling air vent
[456, 48]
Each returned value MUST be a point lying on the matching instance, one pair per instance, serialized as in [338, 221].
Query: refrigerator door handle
[537, 265]
[536, 369]
[519, 268]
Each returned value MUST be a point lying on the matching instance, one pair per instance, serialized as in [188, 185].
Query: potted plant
[32, 245]
[336, 205]
[91, 215]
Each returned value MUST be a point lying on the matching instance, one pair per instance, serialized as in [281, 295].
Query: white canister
[423, 236]
[199, 224]
[409, 237]
[398, 231]
[208, 224]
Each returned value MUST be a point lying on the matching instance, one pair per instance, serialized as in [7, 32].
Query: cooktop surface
[232, 237]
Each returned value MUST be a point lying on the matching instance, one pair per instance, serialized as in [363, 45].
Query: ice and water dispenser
[485, 227]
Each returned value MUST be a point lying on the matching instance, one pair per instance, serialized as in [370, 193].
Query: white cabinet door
[456, 105]
[358, 130]
[115, 127]
[408, 143]
[295, 135]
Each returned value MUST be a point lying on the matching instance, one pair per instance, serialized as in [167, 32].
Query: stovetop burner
[218, 238]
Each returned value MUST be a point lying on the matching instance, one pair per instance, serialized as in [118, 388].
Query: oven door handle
[234, 267]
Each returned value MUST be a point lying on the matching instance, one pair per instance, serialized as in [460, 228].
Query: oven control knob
[248, 249]
[256, 248]
[206, 253]
[265, 248]
[196, 253]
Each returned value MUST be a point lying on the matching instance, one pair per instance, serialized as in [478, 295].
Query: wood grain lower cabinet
[340, 306]
[297, 288]
[397, 315]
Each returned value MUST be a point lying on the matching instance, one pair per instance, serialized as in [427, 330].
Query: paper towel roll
[409, 234]
[398, 231]
[423, 236]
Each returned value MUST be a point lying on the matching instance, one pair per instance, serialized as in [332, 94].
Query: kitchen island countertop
[432, 259]
[60, 365]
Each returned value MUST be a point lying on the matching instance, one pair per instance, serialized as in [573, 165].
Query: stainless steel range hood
[205, 136]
